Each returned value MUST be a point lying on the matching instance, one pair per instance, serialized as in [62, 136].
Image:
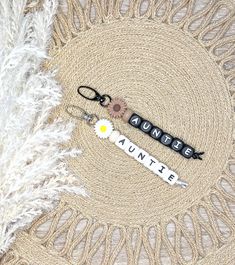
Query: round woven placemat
[167, 77]
[174, 74]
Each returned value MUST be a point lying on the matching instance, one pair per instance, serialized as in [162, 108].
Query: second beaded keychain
[104, 130]
[117, 108]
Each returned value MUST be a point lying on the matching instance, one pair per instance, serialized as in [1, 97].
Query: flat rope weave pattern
[174, 61]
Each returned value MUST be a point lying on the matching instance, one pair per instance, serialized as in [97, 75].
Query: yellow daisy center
[103, 128]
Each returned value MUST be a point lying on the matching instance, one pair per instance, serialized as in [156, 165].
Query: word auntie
[147, 160]
[117, 108]
[164, 138]
[104, 130]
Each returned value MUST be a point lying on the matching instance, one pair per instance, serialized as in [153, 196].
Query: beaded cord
[104, 130]
[117, 108]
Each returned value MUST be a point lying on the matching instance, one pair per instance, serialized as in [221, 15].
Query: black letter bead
[135, 120]
[156, 133]
[187, 151]
[166, 139]
[177, 145]
[146, 126]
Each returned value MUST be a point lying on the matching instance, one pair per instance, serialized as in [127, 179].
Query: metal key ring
[90, 119]
[106, 99]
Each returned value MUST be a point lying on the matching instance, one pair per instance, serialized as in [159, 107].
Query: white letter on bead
[172, 177]
[114, 135]
[131, 149]
[141, 156]
[122, 142]
[188, 151]
[177, 144]
[135, 120]
[150, 162]
[161, 170]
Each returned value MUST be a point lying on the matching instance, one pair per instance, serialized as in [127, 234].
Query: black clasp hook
[104, 100]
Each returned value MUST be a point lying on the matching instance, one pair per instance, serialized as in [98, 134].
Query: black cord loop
[197, 155]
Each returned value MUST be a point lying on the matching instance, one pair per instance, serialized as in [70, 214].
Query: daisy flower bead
[103, 128]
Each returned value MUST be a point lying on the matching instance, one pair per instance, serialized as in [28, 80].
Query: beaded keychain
[117, 108]
[104, 129]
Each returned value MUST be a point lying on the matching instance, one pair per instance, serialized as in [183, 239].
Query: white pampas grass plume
[33, 171]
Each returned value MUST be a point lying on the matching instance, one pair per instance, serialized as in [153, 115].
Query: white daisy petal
[103, 128]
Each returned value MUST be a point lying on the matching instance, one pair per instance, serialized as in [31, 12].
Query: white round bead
[113, 136]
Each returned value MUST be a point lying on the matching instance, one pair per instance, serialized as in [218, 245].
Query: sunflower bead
[117, 108]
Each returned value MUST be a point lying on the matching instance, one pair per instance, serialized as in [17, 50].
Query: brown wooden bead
[127, 114]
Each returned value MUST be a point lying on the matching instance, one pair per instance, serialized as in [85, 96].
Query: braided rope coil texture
[187, 73]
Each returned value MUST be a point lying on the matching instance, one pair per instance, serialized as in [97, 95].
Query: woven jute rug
[173, 62]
